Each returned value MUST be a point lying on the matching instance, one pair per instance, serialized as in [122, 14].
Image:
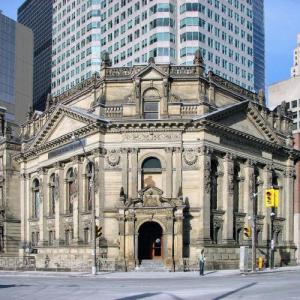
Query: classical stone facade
[9, 188]
[176, 157]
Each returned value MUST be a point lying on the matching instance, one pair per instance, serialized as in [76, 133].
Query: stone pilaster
[130, 240]
[99, 185]
[78, 181]
[267, 179]
[43, 205]
[228, 166]
[59, 203]
[134, 172]
[178, 239]
[204, 194]
[23, 201]
[289, 201]
[124, 162]
[28, 208]
[169, 171]
[177, 186]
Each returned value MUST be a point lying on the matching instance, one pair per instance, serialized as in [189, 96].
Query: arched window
[90, 185]
[36, 198]
[52, 195]
[151, 172]
[151, 104]
[71, 190]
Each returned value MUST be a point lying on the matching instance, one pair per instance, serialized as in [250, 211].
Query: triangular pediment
[63, 121]
[64, 126]
[244, 117]
[151, 72]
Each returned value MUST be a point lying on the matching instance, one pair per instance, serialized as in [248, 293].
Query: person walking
[201, 262]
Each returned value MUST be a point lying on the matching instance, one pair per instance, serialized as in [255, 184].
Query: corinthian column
[204, 194]
[289, 201]
[248, 188]
[267, 179]
[228, 166]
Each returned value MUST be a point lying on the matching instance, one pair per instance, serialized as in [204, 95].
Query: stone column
[169, 240]
[177, 186]
[59, 203]
[23, 201]
[178, 240]
[124, 164]
[248, 192]
[78, 181]
[204, 194]
[43, 205]
[122, 254]
[134, 173]
[267, 179]
[169, 172]
[289, 201]
[99, 185]
[28, 208]
[227, 192]
[130, 242]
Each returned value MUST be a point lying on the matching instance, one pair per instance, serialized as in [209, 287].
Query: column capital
[100, 151]
[205, 150]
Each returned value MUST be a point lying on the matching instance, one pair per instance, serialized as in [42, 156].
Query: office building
[289, 90]
[16, 67]
[75, 42]
[37, 15]
[230, 34]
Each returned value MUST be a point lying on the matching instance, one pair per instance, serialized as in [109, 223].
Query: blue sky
[282, 23]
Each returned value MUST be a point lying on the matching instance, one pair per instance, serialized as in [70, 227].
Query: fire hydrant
[260, 263]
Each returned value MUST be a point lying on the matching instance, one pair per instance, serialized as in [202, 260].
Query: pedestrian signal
[247, 231]
[270, 198]
[98, 231]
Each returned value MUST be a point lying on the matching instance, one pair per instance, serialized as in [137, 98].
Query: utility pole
[272, 216]
[254, 232]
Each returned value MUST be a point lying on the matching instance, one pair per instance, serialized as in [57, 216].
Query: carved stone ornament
[207, 176]
[152, 136]
[190, 157]
[113, 158]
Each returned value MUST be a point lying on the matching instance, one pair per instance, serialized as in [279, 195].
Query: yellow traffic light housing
[269, 198]
[247, 231]
[98, 231]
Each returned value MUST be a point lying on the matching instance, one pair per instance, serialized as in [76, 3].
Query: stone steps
[150, 265]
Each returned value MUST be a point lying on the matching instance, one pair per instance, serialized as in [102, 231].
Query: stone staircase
[151, 265]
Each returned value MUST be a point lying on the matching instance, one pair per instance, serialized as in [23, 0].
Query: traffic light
[247, 231]
[98, 231]
[270, 198]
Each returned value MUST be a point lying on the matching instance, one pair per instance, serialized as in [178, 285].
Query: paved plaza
[149, 286]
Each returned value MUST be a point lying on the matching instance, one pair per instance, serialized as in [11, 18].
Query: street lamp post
[91, 187]
[272, 216]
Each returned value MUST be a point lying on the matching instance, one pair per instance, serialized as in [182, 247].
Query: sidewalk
[138, 275]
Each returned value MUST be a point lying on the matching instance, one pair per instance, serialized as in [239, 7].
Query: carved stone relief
[152, 136]
[112, 159]
[190, 159]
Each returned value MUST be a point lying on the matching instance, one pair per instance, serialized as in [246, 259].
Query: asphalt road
[283, 285]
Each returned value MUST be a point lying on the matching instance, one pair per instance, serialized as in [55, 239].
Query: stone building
[177, 158]
[9, 188]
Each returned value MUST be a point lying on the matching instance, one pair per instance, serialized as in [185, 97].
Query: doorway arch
[150, 241]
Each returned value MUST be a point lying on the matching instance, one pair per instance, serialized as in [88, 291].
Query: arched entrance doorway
[150, 244]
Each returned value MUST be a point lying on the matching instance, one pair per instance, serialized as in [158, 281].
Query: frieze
[152, 136]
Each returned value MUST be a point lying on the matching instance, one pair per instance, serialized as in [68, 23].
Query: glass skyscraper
[230, 34]
[16, 48]
[37, 15]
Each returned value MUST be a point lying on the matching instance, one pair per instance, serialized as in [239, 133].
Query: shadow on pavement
[141, 296]
[235, 291]
[5, 286]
